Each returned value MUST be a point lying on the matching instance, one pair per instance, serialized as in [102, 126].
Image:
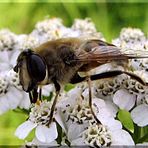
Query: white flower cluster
[7, 40]
[73, 115]
[133, 41]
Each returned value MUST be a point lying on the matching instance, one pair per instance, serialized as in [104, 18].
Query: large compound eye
[36, 67]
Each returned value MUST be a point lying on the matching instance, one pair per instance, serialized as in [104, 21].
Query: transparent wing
[102, 52]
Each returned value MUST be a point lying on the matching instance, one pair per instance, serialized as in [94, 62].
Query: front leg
[57, 87]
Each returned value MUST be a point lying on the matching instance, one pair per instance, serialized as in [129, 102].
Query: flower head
[7, 40]
[39, 119]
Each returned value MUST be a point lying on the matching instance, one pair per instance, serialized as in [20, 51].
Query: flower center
[80, 113]
[97, 135]
[40, 113]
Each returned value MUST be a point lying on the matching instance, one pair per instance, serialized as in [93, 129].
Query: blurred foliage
[109, 18]
[8, 124]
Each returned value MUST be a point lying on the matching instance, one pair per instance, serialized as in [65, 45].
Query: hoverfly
[60, 61]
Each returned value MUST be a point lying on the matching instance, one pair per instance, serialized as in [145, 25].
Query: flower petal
[35, 141]
[61, 118]
[113, 109]
[14, 97]
[139, 115]
[121, 137]
[13, 57]
[4, 105]
[25, 102]
[113, 124]
[75, 130]
[47, 89]
[101, 109]
[78, 142]
[24, 129]
[71, 99]
[45, 134]
[124, 99]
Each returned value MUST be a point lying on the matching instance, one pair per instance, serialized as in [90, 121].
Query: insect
[60, 61]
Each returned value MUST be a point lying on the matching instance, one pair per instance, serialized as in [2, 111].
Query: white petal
[104, 115]
[113, 109]
[47, 89]
[101, 109]
[61, 118]
[124, 99]
[74, 94]
[121, 137]
[140, 115]
[4, 105]
[71, 99]
[4, 56]
[112, 124]
[45, 134]
[4, 67]
[75, 130]
[25, 101]
[14, 97]
[24, 129]
[13, 57]
[78, 142]
[35, 141]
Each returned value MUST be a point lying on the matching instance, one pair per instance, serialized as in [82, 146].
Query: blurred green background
[109, 18]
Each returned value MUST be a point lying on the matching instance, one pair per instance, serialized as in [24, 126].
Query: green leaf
[125, 118]
[143, 135]
[68, 87]
[143, 139]
[48, 98]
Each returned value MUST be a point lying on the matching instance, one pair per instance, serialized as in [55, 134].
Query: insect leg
[57, 87]
[77, 79]
[90, 100]
[33, 95]
[40, 93]
[114, 73]
[30, 97]
[108, 74]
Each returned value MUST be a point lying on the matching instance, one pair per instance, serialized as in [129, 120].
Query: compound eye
[36, 67]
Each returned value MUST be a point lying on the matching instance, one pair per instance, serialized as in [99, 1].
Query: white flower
[84, 25]
[8, 59]
[139, 115]
[13, 79]
[129, 34]
[49, 24]
[124, 99]
[86, 29]
[7, 40]
[74, 113]
[27, 42]
[47, 89]
[39, 119]
[36, 142]
[48, 29]
[133, 41]
[10, 97]
[133, 98]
